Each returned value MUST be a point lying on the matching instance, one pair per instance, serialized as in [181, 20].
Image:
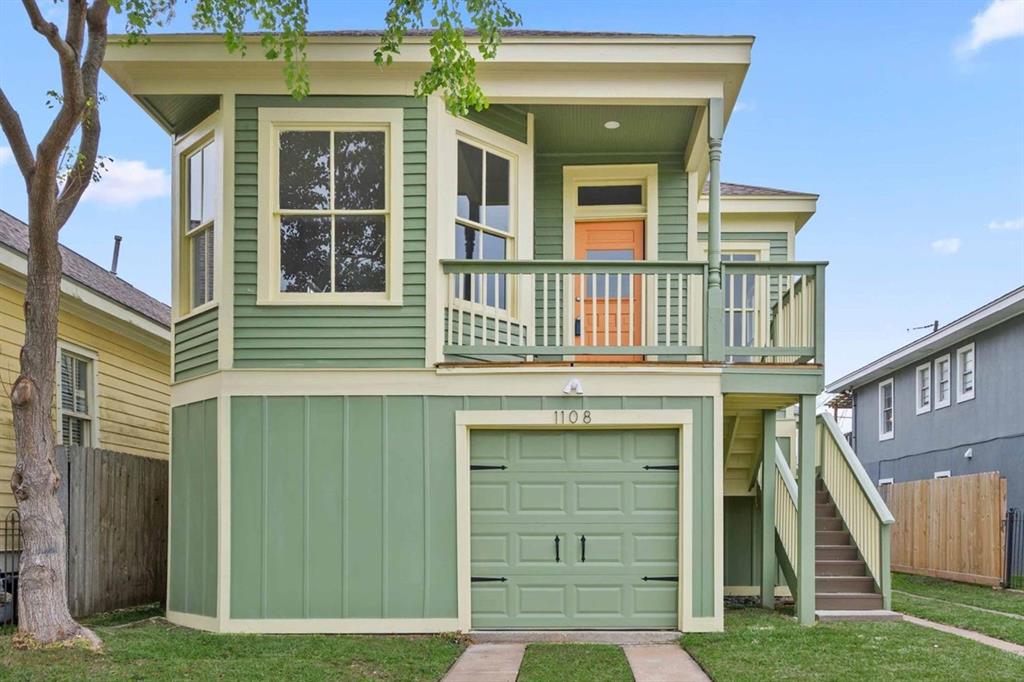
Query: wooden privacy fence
[949, 527]
[115, 505]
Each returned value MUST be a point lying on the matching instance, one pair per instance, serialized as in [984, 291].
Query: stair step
[830, 567]
[831, 537]
[821, 497]
[838, 601]
[826, 552]
[828, 523]
[844, 584]
[820, 485]
[825, 511]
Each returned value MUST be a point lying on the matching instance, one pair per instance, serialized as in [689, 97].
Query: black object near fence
[1013, 576]
[10, 552]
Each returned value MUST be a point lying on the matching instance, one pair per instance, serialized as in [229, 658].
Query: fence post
[1009, 526]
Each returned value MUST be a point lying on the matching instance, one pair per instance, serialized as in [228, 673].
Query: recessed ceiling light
[611, 125]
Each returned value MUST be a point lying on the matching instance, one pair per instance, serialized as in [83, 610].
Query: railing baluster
[522, 290]
[679, 310]
[450, 313]
[618, 309]
[593, 308]
[581, 316]
[643, 310]
[607, 320]
[633, 292]
[558, 311]
[544, 341]
[668, 310]
[472, 310]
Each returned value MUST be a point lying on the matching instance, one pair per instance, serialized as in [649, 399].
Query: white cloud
[1017, 224]
[949, 245]
[5, 155]
[128, 183]
[1001, 20]
[744, 105]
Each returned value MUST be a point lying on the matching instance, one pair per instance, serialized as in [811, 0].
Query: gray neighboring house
[950, 403]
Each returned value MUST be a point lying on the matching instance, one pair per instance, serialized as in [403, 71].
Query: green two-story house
[511, 370]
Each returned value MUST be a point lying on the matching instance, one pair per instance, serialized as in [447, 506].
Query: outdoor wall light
[611, 125]
[574, 386]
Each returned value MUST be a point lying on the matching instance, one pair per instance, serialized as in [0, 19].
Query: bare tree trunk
[42, 594]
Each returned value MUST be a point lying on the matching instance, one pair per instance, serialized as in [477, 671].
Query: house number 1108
[572, 417]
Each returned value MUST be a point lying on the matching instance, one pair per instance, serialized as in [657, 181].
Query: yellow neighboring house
[113, 366]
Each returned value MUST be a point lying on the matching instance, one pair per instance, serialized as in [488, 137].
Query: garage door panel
[570, 485]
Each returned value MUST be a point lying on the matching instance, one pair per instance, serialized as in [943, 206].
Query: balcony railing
[630, 311]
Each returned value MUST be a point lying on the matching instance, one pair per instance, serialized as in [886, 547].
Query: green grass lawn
[910, 589]
[974, 595]
[156, 650]
[574, 663]
[759, 645]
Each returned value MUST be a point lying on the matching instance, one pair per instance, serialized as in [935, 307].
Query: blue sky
[907, 118]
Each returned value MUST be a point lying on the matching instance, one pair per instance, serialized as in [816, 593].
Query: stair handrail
[787, 476]
[857, 469]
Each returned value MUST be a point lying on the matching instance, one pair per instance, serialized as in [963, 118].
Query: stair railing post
[806, 512]
[769, 567]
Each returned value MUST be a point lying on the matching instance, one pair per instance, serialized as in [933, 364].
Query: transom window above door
[484, 223]
[334, 194]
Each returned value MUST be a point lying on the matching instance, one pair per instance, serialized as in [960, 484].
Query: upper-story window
[943, 382]
[923, 388]
[77, 406]
[483, 219]
[333, 198]
[965, 373]
[886, 410]
[200, 187]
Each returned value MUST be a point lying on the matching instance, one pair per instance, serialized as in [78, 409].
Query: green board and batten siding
[193, 538]
[195, 345]
[330, 336]
[337, 513]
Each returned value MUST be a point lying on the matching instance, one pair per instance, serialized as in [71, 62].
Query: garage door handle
[662, 578]
[583, 549]
[557, 541]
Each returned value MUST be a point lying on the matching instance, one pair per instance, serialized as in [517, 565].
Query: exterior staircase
[842, 581]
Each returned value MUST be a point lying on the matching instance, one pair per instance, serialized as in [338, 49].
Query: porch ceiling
[579, 128]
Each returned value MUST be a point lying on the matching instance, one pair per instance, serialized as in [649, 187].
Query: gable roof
[987, 316]
[14, 236]
[732, 189]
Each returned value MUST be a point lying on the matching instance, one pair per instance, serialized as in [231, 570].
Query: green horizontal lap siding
[502, 118]
[344, 507]
[672, 218]
[330, 336]
[193, 538]
[195, 345]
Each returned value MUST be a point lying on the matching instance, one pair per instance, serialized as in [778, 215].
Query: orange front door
[608, 309]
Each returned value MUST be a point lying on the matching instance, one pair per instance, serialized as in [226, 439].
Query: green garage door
[574, 529]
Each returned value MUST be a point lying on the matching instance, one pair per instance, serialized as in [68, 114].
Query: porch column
[769, 569]
[806, 485]
[714, 333]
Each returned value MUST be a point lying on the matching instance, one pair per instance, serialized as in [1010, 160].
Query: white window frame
[451, 131]
[937, 402]
[963, 395]
[274, 120]
[208, 132]
[92, 357]
[942, 474]
[922, 408]
[761, 251]
[883, 435]
[885, 481]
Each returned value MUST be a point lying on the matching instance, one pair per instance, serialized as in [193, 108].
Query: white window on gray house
[333, 204]
[201, 170]
[76, 400]
[886, 410]
[965, 373]
[483, 220]
[943, 382]
[923, 388]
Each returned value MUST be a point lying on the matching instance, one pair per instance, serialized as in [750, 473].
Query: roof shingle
[14, 235]
[732, 189]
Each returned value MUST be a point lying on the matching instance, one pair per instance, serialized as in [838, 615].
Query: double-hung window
[77, 404]
[965, 373]
[200, 196]
[483, 220]
[333, 195]
[923, 388]
[943, 382]
[886, 410]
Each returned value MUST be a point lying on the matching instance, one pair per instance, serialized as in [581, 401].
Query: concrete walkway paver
[663, 663]
[968, 634]
[490, 662]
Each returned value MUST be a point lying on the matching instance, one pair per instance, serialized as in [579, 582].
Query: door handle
[558, 540]
[583, 549]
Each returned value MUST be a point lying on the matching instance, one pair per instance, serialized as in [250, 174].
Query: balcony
[633, 311]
